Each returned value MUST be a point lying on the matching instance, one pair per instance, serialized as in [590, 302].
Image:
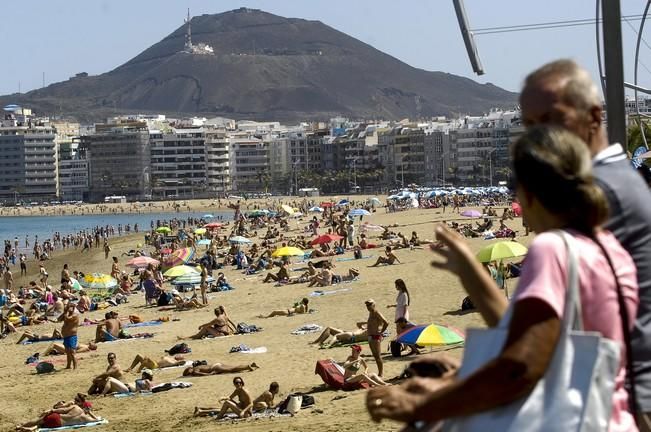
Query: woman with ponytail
[556, 190]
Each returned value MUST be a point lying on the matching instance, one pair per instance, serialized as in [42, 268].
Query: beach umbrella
[472, 213]
[359, 212]
[258, 213]
[208, 216]
[98, 281]
[287, 251]
[191, 279]
[200, 231]
[325, 238]
[166, 251]
[179, 256]
[203, 242]
[180, 270]
[287, 209]
[326, 204]
[315, 210]
[501, 250]
[213, 225]
[74, 284]
[163, 230]
[431, 335]
[142, 262]
[369, 227]
[239, 240]
[374, 201]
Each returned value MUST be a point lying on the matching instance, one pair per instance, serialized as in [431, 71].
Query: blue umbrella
[203, 242]
[316, 210]
[359, 212]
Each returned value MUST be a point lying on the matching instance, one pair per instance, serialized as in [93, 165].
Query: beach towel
[29, 342]
[136, 336]
[333, 376]
[319, 293]
[101, 421]
[268, 413]
[244, 349]
[353, 258]
[307, 328]
[143, 324]
[156, 389]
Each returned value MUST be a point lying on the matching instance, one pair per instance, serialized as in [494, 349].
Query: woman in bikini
[239, 402]
[299, 308]
[356, 370]
[220, 326]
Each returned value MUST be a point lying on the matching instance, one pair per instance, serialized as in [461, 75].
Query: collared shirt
[612, 153]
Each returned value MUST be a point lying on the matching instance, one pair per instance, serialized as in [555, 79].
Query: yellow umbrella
[501, 250]
[287, 209]
[287, 251]
[200, 231]
[180, 270]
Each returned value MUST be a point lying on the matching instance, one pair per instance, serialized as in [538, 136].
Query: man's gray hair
[578, 89]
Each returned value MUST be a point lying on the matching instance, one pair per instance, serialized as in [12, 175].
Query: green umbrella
[164, 230]
[501, 250]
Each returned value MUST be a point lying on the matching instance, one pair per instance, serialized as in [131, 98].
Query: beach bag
[294, 404]
[396, 348]
[576, 392]
[180, 348]
[44, 367]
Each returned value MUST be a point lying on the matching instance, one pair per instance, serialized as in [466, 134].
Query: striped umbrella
[431, 335]
[179, 257]
[98, 281]
[74, 284]
[191, 279]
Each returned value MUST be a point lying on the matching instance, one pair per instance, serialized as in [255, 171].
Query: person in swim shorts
[376, 326]
[70, 318]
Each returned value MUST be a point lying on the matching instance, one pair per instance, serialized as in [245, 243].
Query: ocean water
[45, 226]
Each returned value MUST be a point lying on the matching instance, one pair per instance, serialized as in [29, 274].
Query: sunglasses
[239, 382]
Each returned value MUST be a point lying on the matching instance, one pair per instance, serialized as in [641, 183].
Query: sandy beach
[436, 298]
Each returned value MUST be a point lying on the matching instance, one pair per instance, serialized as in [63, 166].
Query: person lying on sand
[356, 370]
[149, 363]
[217, 369]
[341, 336]
[145, 383]
[299, 308]
[389, 259]
[185, 304]
[221, 325]
[323, 278]
[57, 348]
[34, 337]
[76, 414]
[239, 402]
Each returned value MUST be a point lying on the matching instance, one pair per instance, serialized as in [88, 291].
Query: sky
[63, 37]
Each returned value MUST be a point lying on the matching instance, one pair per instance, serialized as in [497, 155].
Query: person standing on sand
[8, 279]
[70, 319]
[376, 325]
[115, 269]
[204, 282]
[107, 249]
[23, 264]
[43, 275]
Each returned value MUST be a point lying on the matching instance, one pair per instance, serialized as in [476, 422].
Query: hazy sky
[63, 37]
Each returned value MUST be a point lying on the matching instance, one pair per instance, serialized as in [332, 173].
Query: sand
[436, 298]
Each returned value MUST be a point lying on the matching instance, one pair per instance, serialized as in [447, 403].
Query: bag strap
[623, 312]
[572, 314]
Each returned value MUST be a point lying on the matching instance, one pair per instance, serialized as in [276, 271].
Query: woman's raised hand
[453, 249]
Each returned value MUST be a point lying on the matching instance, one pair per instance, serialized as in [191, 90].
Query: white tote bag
[576, 392]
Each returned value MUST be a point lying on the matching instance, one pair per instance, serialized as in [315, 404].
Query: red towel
[333, 377]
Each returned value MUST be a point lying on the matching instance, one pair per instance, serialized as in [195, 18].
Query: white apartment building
[28, 157]
[178, 163]
[249, 162]
[217, 160]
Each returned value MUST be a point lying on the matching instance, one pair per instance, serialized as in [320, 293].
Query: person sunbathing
[356, 370]
[310, 272]
[299, 308]
[217, 369]
[112, 371]
[390, 258]
[266, 399]
[364, 244]
[109, 330]
[353, 274]
[144, 384]
[185, 304]
[239, 402]
[323, 278]
[58, 348]
[221, 325]
[34, 337]
[62, 415]
[149, 363]
[282, 274]
[341, 336]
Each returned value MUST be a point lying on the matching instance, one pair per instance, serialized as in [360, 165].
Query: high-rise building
[249, 163]
[28, 157]
[217, 160]
[119, 160]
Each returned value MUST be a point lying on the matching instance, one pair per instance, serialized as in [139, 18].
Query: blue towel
[143, 324]
[28, 342]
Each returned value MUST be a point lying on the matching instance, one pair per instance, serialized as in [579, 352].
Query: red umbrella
[213, 225]
[166, 251]
[326, 204]
[326, 238]
[517, 209]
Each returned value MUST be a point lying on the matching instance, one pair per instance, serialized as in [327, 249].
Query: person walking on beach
[70, 319]
[8, 279]
[23, 264]
[42, 274]
[107, 249]
[376, 325]
[115, 269]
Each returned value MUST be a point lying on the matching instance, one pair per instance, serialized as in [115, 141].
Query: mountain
[266, 67]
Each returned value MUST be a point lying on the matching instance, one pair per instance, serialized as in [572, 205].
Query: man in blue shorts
[70, 318]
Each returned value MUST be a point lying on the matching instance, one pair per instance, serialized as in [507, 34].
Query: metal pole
[490, 166]
[355, 173]
[613, 61]
[402, 172]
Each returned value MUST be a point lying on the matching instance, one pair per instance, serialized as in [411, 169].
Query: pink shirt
[544, 277]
